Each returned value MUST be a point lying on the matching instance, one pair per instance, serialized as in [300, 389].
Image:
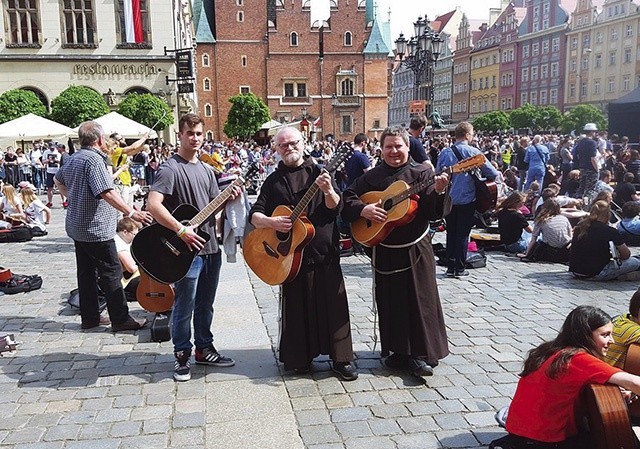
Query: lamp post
[419, 54]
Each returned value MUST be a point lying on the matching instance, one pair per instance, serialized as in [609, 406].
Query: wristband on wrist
[133, 211]
[182, 231]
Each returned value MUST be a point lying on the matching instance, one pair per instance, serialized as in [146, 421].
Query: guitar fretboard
[216, 203]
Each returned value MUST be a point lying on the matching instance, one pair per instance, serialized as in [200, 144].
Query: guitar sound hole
[282, 236]
[387, 205]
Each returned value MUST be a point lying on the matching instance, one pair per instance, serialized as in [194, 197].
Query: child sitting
[36, 213]
[511, 223]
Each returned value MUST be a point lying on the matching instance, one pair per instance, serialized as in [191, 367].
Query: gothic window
[293, 39]
[346, 87]
[206, 84]
[23, 23]
[78, 21]
[205, 60]
[348, 39]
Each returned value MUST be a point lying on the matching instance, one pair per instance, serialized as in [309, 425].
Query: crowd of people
[556, 202]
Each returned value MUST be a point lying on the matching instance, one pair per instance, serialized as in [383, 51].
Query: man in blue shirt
[463, 199]
[537, 156]
[359, 163]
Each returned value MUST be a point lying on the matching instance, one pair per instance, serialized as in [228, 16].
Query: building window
[583, 89]
[240, 16]
[245, 90]
[293, 39]
[295, 89]
[239, 2]
[209, 135]
[545, 46]
[612, 58]
[525, 51]
[572, 90]
[627, 55]
[553, 96]
[205, 60]
[535, 49]
[206, 84]
[134, 25]
[629, 31]
[525, 74]
[534, 98]
[523, 98]
[626, 83]
[347, 127]
[599, 37]
[611, 85]
[348, 39]
[614, 34]
[596, 87]
[346, 87]
[574, 42]
[585, 63]
[572, 65]
[544, 71]
[243, 60]
[555, 69]
[23, 23]
[208, 110]
[543, 97]
[555, 44]
[598, 61]
[534, 73]
[79, 24]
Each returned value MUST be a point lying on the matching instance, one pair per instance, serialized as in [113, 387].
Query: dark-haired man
[185, 179]
[626, 331]
[359, 162]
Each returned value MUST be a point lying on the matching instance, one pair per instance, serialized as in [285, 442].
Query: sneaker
[419, 368]
[209, 356]
[130, 324]
[182, 367]
[49, 204]
[461, 274]
[346, 370]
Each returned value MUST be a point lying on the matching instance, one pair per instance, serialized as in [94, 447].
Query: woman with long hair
[551, 235]
[511, 223]
[543, 411]
[10, 203]
[591, 254]
[37, 214]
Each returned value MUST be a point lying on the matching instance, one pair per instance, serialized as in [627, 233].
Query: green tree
[526, 116]
[18, 102]
[493, 122]
[246, 116]
[576, 118]
[77, 104]
[550, 118]
[146, 109]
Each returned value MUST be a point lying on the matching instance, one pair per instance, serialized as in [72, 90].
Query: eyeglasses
[284, 146]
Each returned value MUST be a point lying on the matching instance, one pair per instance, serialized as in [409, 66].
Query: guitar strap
[460, 158]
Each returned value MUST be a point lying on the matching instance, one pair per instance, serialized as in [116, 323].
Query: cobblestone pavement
[68, 388]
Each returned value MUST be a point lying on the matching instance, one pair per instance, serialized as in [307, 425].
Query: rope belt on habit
[402, 245]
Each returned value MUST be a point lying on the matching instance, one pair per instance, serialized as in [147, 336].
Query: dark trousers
[100, 258]
[459, 224]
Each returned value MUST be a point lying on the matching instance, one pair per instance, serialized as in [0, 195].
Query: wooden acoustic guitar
[608, 418]
[161, 253]
[400, 206]
[275, 257]
[154, 296]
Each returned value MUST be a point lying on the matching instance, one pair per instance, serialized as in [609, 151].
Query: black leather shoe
[104, 321]
[130, 324]
[346, 370]
[396, 361]
[419, 368]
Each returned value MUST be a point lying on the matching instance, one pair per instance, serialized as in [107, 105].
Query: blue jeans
[535, 174]
[521, 245]
[194, 296]
[612, 270]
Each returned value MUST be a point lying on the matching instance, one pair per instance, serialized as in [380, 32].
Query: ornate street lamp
[419, 54]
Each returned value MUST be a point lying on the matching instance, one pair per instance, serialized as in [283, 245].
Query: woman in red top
[543, 411]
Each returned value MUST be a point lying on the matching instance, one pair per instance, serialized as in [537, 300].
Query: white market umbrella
[32, 127]
[127, 128]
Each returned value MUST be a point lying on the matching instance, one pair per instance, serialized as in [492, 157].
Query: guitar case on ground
[16, 234]
[161, 327]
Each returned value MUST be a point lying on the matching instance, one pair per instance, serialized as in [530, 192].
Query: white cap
[590, 127]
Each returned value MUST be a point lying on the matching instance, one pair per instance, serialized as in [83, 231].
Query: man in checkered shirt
[91, 222]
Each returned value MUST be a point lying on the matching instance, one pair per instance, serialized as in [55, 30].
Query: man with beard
[411, 320]
[315, 313]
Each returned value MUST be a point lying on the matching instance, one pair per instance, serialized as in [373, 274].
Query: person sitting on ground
[553, 191]
[629, 226]
[10, 202]
[551, 236]
[543, 410]
[626, 190]
[125, 232]
[591, 256]
[571, 184]
[511, 223]
[633, 165]
[36, 213]
[604, 181]
[532, 196]
[511, 178]
[626, 331]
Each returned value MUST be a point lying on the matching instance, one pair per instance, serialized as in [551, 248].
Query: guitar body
[273, 256]
[370, 233]
[609, 423]
[154, 296]
[161, 253]
[487, 197]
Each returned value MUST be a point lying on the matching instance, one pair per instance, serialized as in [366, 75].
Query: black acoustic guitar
[162, 254]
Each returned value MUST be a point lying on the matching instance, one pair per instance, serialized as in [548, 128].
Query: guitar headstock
[8, 343]
[468, 164]
[341, 155]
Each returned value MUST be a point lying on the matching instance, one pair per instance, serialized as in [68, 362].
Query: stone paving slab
[67, 388]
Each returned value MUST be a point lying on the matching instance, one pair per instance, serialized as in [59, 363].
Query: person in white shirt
[125, 232]
[36, 213]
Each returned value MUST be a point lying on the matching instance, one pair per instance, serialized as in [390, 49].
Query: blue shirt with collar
[463, 189]
[537, 156]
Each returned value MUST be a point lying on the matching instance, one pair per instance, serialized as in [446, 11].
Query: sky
[405, 12]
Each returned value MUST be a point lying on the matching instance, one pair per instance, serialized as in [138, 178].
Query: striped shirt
[625, 332]
[556, 231]
[89, 217]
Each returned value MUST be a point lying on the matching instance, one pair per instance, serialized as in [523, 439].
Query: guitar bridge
[171, 248]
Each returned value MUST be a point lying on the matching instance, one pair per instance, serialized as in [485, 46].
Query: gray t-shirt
[192, 183]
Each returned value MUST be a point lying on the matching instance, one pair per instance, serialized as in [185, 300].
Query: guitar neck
[304, 202]
[216, 203]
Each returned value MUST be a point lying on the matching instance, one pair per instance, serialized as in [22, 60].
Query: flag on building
[133, 21]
